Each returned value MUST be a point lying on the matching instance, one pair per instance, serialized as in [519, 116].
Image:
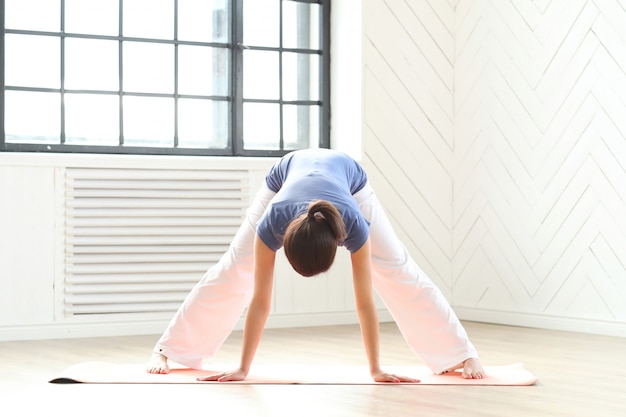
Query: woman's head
[311, 239]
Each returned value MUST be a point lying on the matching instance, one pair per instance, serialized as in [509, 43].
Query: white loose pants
[211, 310]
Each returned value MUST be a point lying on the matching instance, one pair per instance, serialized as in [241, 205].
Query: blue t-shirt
[314, 174]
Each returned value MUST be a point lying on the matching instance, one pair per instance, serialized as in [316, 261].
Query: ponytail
[311, 239]
[322, 211]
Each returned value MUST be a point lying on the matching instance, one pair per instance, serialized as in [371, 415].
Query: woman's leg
[211, 310]
[420, 310]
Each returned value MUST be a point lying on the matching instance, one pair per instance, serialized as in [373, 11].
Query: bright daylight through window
[198, 77]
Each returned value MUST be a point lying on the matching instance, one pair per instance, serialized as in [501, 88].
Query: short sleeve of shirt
[277, 174]
[357, 233]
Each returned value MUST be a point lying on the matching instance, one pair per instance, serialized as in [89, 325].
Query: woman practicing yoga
[313, 201]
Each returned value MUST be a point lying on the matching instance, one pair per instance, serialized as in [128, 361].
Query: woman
[313, 201]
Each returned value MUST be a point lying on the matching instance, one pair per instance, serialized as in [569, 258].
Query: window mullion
[237, 77]
[62, 74]
[2, 86]
[120, 65]
[324, 34]
[281, 140]
[176, 74]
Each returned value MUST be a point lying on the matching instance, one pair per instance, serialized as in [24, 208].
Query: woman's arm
[261, 302]
[257, 314]
[368, 316]
[366, 309]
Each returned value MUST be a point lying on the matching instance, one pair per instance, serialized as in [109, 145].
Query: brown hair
[311, 239]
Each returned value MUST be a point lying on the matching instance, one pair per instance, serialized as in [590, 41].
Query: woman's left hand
[381, 376]
[236, 375]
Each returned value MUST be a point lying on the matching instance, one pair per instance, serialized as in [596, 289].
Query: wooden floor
[579, 375]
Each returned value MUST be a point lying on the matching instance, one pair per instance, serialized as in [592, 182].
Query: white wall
[495, 135]
[27, 223]
[540, 163]
[408, 96]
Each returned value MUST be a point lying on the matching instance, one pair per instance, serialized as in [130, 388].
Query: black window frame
[235, 98]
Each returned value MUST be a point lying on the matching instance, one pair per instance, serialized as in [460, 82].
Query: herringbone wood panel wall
[495, 135]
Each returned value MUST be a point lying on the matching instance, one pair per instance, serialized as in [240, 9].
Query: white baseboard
[569, 324]
[156, 327]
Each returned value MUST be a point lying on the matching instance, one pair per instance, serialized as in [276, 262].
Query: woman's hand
[236, 375]
[381, 376]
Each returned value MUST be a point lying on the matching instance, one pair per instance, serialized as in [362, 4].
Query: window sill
[132, 161]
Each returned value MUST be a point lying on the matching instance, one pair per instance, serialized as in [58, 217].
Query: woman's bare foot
[157, 364]
[472, 369]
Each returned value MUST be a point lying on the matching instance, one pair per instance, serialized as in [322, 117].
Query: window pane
[148, 67]
[148, 19]
[204, 21]
[261, 126]
[91, 64]
[203, 70]
[301, 22]
[261, 22]
[300, 76]
[32, 61]
[140, 74]
[148, 121]
[98, 17]
[44, 15]
[92, 119]
[202, 124]
[260, 75]
[32, 117]
[301, 127]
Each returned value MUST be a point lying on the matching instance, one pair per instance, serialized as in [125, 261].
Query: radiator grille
[137, 240]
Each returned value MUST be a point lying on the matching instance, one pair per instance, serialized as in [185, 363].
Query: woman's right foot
[157, 364]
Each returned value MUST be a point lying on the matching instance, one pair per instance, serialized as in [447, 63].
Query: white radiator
[137, 240]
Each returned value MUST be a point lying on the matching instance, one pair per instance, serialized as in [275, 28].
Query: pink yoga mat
[108, 373]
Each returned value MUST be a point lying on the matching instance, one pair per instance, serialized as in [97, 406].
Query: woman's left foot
[472, 369]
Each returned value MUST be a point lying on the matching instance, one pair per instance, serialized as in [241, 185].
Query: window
[198, 77]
